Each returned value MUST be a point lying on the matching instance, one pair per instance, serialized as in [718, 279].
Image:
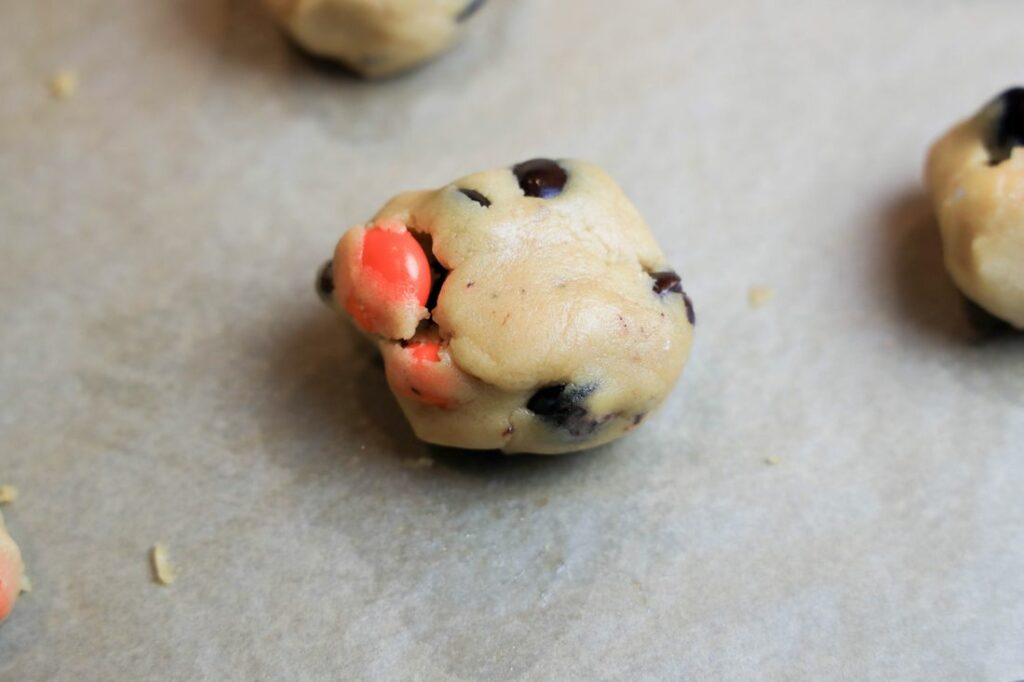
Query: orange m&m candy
[394, 273]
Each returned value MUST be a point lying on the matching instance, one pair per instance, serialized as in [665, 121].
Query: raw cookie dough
[975, 176]
[374, 37]
[526, 309]
[11, 571]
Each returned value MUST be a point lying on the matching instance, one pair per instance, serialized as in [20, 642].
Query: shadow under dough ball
[526, 308]
[975, 178]
[374, 38]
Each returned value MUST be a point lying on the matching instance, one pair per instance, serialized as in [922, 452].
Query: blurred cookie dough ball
[975, 176]
[375, 38]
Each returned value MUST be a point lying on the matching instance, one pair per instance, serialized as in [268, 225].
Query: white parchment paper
[167, 374]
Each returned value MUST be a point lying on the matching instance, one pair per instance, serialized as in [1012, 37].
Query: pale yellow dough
[373, 37]
[539, 292]
[980, 209]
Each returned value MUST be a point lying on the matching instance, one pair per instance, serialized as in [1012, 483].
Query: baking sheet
[167, 373]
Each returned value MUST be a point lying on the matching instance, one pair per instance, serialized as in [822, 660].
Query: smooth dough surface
[975, 176]
[11, 571]
[558, 324]
[374, 37]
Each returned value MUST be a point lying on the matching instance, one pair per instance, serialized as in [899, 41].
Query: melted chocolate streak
[469, 10]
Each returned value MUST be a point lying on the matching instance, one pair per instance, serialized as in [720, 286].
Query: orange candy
[9, 586]
[416, 371]
[398, 260]
[426, 351]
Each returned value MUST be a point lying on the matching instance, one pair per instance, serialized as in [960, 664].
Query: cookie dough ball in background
[975, 176]
[11, 571]
[527, 309]
[374, 38]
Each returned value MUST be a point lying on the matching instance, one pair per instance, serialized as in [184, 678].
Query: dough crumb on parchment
[8, 494]
[63, 84]
[26, 584]
[759, 296]
[163, 572]
[772, 460]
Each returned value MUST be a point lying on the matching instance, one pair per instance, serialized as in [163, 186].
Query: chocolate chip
[1008, 127]
[690, 314]
[541, 178]
[476, 196]
[325, 282]
[469, 10]
[667, 281]
[562, 405]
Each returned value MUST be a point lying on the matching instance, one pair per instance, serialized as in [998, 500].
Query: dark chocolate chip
[469, 10]
[562, 405]
[691, 315]
[476, 196]
[1008, 127]
[985, 324]
[541, 178]
[667, 281]
[325, 282]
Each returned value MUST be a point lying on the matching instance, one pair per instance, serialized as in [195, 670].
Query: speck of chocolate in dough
[325, 281]
[469, 10]
[476, 196]
[637, 419]
[542, 178]
[562, 405]
[1008, 127]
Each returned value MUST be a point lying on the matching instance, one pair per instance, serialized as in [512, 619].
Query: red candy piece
[425, 351]
[398, 260]
[393, 273]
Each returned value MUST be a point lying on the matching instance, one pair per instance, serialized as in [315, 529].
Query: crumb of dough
[759, 296]
[418, 463]
[63, 84]
[8, 494]
[772, 461]
[163, 571]
[26, 584]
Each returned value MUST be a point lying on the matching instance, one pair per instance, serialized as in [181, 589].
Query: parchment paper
[167, 373]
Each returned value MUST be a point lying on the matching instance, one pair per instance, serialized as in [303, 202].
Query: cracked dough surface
[975, 176]
[558, 324]
[374, 37]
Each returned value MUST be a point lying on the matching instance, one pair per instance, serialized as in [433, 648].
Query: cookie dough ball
[975, 176]
[11, 571]
[527, 309]
[374, 37]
